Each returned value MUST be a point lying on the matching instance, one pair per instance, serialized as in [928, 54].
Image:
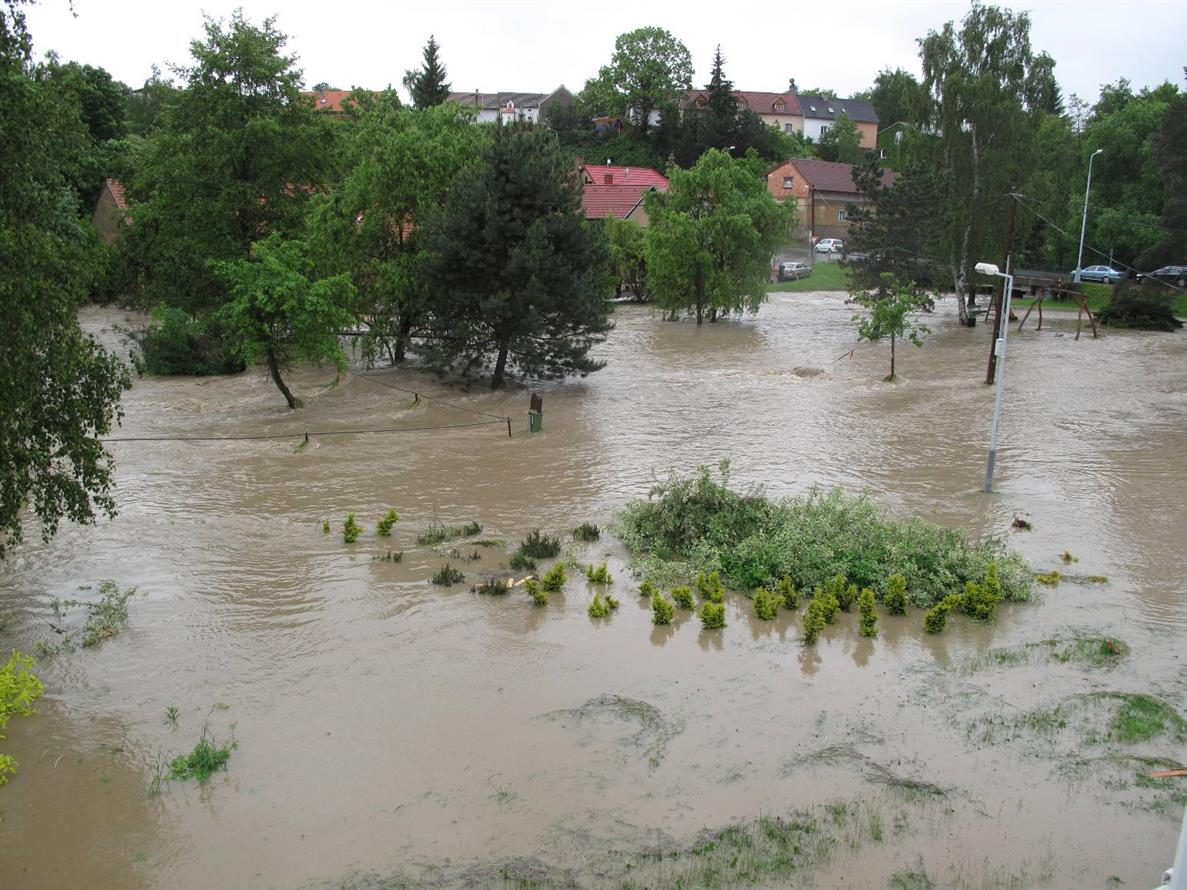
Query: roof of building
[824, 108]
[827, 176]
[756, 101]
[616, 191]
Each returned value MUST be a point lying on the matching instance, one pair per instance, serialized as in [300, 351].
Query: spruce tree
[428, 86]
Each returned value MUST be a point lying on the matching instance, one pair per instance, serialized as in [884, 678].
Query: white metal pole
[1000, 376]
[1084, 219]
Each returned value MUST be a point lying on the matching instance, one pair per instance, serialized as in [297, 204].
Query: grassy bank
[826, 275]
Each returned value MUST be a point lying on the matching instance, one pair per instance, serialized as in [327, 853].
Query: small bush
[389, 519]
[648, 589]
[709, 587]
[351, 530]
[713, 615]
[662, 610]
[447, 576]
[788, 595]
[814, 621]
[587, 532]
[19, 688]
[599, 574]
[766, 604]
[935, 618]
[599, 608]
[538, 594]
[540, 546]
[896, 595]
[554, 578]
[521, 562]
[682, 597]
[869, 613]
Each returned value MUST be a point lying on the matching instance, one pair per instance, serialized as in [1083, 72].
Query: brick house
[619, 191]
[823, 193]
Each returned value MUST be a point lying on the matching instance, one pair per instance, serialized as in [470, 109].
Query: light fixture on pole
[1000, 374]
[1084, 220]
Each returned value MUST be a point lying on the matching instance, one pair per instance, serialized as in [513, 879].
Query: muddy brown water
[389, 727]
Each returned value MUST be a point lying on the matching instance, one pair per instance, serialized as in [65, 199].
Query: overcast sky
[530, 46]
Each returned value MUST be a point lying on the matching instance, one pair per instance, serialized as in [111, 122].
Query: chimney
[608, 178]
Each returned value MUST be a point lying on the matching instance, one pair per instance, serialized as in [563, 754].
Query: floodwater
[388, 727]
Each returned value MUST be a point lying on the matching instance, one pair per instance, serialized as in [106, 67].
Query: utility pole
[997, 315]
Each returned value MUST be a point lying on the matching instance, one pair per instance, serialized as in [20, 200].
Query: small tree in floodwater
[889, 313]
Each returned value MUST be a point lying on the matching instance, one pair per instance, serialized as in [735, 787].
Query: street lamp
[1084, 221]
[1000, 373]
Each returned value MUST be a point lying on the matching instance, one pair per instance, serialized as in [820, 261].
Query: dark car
[790, 271]
[1176, 275]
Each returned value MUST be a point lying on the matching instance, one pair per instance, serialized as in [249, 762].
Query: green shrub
[538, 594]
[648, 589]
[766, 604]
[599, 574]
[709, 587]
[697, 524]
[713, 615]
[19, 688]
[554, 578]
[788, 595]
[351, 530]
[521, 562]
[389, 519]
[587, 532]
[682, 596]
[174, 343]
[599, 608]
[662, 610]
[814, 621]
[540, 546]
[869, 613]
[896, 595]
[447, 576]
[935, 618]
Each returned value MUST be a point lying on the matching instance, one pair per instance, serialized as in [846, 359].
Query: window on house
[787, 181]
[842, 215]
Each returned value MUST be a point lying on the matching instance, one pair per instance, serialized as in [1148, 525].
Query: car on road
[1176, 275]
[830, 245]
[1103, 274]
[791, 271]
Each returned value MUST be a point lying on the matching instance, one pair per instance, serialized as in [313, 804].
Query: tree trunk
[274, 370]
[500, 366]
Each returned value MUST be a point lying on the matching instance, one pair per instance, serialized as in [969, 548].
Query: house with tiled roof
[110, 217]
[819, 113]
[824, 194]
[511, 106]
[619, 191]
[779, 110]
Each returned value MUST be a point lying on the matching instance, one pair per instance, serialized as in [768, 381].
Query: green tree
[59, 389]
[841, 142]
[279, 313]
[649, 67]
[711, 238]
[235, 156]
[890, 312]
[399, 166]
[428, 86]
[519, 278]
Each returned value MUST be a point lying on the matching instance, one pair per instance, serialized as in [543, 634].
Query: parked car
[829, 245]
[790, 271]
[1176, 275]
[1103, 274]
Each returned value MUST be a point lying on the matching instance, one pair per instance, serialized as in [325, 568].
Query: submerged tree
[519, 277]
[890, 311]
[428, 86]
[711, 239]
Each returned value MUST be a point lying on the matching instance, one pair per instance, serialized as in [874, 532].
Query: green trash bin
[535, 421]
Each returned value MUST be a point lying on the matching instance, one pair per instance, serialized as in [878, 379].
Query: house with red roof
[824, 194]
[111, 211]
[619, 191]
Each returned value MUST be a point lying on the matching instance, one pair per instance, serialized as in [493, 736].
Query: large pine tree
[428, 86]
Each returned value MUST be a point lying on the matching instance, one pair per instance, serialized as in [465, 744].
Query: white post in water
[1000, 373]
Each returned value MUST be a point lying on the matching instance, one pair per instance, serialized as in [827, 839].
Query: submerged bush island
[699, 524]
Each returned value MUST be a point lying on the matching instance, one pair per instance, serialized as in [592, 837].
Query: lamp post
[1000, 374]
[1084, 220]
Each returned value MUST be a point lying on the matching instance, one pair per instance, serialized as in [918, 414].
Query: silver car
[1099, 273]
[790, 271]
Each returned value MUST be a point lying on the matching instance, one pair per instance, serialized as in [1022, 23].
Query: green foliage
[428, 86]
[814, 620]
[19, 688]
[554, 578]
[662, 610]
[390, 518]
[351, 529]
[766, 604]
[537, 592]
[598, 607]
[519, 278]
[540, 546]
[1141, 306]
[207, 758]
[889, 312]
[711, 238]
[936, 617]
[697, 524]
[841, 143]
[712, 615]
[521, 562]
[587, 533]
[896, 595]
[788, 595]
[447, 576]
[709, 587]
[682, 597]
[598, 574]
[869, 613]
